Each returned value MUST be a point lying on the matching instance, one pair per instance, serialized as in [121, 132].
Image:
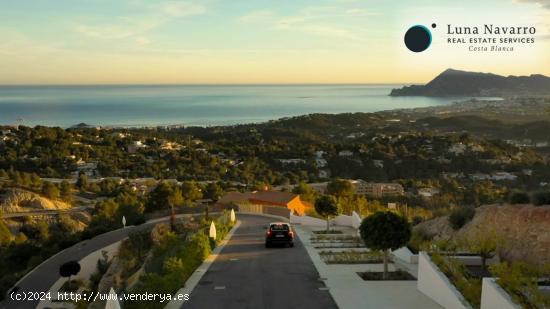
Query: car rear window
[279, 227]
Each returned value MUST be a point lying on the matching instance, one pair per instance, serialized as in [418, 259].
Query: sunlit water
[204, 105]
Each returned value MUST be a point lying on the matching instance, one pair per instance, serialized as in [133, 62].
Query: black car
[279, 233]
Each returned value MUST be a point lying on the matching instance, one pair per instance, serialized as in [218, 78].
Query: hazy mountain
[461, 83]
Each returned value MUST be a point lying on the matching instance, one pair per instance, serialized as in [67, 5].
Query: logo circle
[418, 38]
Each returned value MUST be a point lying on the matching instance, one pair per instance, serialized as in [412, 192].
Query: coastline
[189, 105]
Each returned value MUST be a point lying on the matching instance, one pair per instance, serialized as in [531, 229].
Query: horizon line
[205, 84]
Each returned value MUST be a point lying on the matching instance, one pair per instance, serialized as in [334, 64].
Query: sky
[253, 41]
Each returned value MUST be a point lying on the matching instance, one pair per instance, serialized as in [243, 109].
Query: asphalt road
[248, 275]
[46, 274]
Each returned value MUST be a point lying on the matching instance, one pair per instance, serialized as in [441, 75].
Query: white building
[345, 153]
[428, 192]
[457, 148]
[135, 146]
[504, 176]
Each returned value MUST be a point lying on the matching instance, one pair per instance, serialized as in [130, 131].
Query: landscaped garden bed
[522, 282]
[398, 275]
[467, 284]
[336, 232]
[351, 257]
[341, 241]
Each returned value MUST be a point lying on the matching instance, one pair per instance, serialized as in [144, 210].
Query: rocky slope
[19, 200]
[524, 229]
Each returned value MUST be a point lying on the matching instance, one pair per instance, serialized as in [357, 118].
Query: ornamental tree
[385, 231]
[68, 269]
[327, 206]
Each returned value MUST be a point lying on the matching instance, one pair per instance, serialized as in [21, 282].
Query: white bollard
[112, 301]
[212, 232]
[232, 216]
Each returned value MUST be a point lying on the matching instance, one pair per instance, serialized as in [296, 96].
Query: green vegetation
[340, 188]
[36, 241]
[5, 234]
[69, 269]
[520, 280]
[541, 198]
[328, 232]
[460, 216]
[50, 190]
[519, 197]
[419, 241]
[468, 286]
[306, 192]
[414, 152]
[385, 231]
[102, 266]
[327, 206]
[482, 242]
[175, 256]
[351, 257]
[107, 214]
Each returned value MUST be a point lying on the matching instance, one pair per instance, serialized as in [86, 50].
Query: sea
[192, 105]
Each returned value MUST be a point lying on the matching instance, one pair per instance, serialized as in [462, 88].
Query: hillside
[462, 83]
[19, 200]
[524, 227]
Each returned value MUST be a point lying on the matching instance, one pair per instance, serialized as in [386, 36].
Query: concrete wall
[353, 221]
[307, 220]
[251, 208]
[434, 284]
[342, 220]
[493, 296]
[473, 260]
[276, 211]
[265, 209]
[405, 255]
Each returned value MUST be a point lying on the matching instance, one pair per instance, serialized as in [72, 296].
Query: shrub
[416, 220]
[519, 197]
[327, 206]
[460, 216]
[541, 198]
[419, 240]
[173, 262]
[469, 287]
[520, 280]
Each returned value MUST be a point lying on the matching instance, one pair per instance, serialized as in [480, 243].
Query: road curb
[315, 258]
[194, 279]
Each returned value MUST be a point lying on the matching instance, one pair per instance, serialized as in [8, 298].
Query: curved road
[46, 274]
[247, 275]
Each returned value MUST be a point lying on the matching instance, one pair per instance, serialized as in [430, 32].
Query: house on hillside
[345, 153]
[265, 198]
[428, 192]
[377, 189]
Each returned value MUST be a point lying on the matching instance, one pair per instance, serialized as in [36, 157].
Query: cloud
[256, 16]
[323, 21]
[134, 26]
[330, 31]
[360, 12]
[181, 9]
